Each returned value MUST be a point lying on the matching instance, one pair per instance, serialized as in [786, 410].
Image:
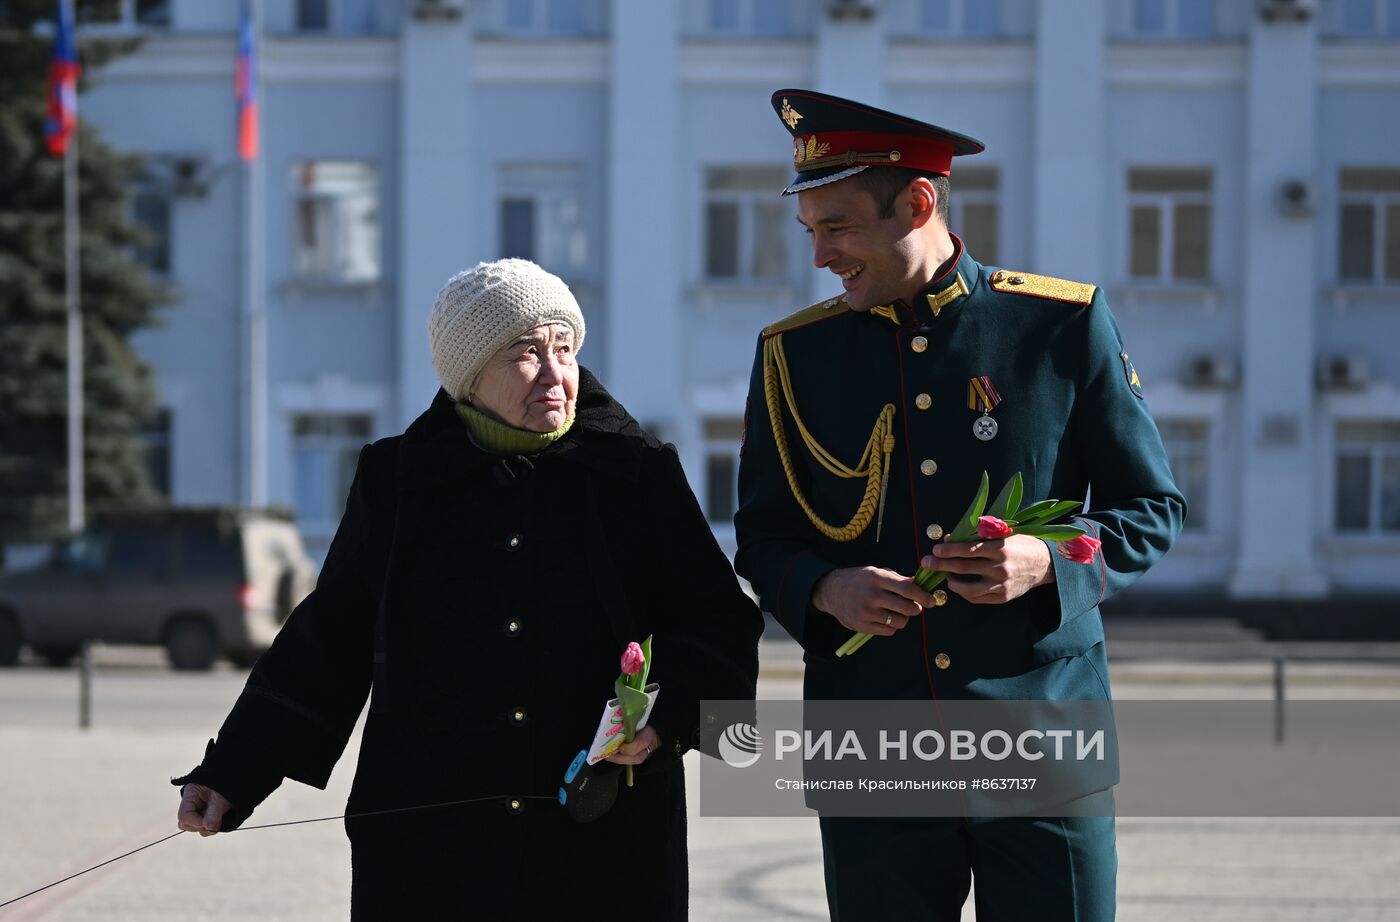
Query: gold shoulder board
[831, 307]
[1042, 286]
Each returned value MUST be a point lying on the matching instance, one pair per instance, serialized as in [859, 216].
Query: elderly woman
[493, 563]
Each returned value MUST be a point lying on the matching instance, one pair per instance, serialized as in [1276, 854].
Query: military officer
[871, 418]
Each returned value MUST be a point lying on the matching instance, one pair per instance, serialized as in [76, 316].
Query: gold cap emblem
[790, 115]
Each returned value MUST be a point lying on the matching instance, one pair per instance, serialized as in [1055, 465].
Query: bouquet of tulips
[1004, 519]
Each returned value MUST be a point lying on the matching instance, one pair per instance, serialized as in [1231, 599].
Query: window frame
[957, 21]
[1203, 448]
[1171, 24]
[1378, 201]
[1376, 452]
[301, 194]
[747, 200]
[546, 184]
[1166, 201]
[339, 446]
[960, 197]
[727, 448]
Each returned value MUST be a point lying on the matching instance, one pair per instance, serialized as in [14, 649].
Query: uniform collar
[957, 278]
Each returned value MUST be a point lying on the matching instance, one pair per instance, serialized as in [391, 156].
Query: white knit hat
[481, 310]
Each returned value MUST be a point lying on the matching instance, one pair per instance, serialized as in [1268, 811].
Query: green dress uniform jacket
[1071, 417]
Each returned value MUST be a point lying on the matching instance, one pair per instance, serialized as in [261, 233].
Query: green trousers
[1047, 869]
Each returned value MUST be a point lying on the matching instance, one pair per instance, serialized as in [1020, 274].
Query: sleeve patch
[1129, 372]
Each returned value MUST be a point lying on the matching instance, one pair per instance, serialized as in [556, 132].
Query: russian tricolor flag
[62, 119]
[245, 86]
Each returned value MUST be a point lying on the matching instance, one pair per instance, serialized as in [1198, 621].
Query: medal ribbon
[982, 395]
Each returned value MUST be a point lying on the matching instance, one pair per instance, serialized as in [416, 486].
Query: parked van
[202, 582]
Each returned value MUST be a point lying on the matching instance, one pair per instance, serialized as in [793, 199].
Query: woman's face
[532, 382]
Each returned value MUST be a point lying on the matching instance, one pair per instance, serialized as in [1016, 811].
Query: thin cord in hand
[93, 868]
[319, 819]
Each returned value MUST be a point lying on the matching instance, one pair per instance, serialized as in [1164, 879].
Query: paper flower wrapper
[610, 734]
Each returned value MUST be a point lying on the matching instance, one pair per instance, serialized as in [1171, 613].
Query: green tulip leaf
[1047, 513]
[967, 526]
[646, 662]
[1008, 499]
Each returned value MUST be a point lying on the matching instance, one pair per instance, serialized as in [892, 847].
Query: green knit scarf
[500, 439]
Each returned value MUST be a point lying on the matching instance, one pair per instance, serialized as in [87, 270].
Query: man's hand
[992, 572]
[202, 809]
[870, 600]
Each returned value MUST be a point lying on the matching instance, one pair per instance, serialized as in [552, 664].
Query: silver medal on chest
[985, 428]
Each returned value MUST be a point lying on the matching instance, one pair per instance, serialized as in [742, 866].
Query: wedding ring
[888, 619]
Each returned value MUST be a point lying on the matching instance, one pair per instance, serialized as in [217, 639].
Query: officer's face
[531, 383]
[875, 257]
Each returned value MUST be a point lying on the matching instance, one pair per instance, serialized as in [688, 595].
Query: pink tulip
[633, 659]
[1080, 550]
[989, 526]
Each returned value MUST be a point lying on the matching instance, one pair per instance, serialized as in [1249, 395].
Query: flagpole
[76, 498]
[256, 298]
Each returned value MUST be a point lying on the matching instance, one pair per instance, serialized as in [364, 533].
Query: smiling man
[872, 416]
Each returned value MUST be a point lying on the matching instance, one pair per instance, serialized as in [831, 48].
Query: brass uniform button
[518, 716]
[516, 806]
[513, 627]
[934, 532]
[929, 467]
[998, 275]
[514, 542]
[1017, 280]
[919, 343]
[942, 661]
[923, 401]
[940, 598]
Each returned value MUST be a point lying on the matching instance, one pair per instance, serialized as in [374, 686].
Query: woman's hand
[202, 809]
[639, 750]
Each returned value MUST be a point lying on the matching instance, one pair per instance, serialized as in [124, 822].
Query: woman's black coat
[486, 600]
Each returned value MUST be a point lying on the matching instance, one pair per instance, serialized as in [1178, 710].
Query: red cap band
[826, 149]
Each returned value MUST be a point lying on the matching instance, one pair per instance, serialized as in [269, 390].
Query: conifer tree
[118, 296]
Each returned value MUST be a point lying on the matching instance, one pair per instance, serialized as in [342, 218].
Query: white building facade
[1227, 170]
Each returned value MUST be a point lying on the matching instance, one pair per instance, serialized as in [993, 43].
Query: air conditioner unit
[1287, 10]
[1295, 198]
[1343, 372]
[438, 9]
[1208, 370]
[190, 175]
[841, 10]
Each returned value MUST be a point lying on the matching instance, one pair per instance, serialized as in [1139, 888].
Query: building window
[1368, 478]
[1187, 442]
[959, 18]
[754, 18]
[154, 437]
[325, 449]
[721, 446]
[151, 14]
[545, 18]
[1369, 246]
[1169, 221]
[748, 230]
[1363, 19]
[541, 218]
[337, 220]
[973, 211]
[1173, 19]
[151, 206]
